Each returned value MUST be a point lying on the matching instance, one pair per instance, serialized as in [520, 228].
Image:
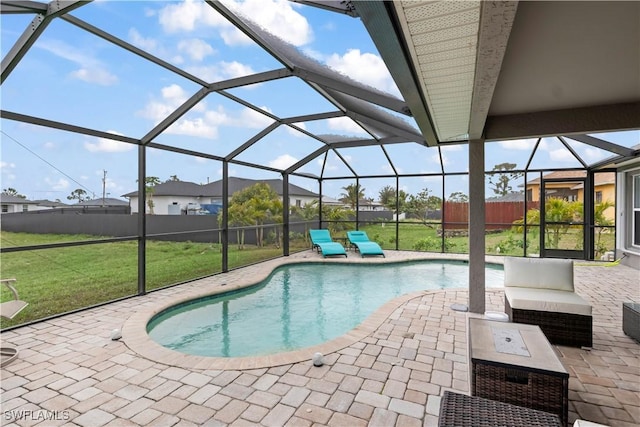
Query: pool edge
[136, 338]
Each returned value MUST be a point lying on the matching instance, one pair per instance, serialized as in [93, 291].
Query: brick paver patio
[69, 372]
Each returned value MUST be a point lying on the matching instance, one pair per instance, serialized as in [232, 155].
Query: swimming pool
[300, 305]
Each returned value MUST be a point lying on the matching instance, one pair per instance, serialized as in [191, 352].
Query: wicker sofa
[540, 291]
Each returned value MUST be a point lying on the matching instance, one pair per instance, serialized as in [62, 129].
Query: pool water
[300, 305]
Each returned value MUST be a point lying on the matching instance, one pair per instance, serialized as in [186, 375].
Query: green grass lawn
[58, 280]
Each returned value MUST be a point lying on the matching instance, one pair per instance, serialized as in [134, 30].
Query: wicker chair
[539, 291]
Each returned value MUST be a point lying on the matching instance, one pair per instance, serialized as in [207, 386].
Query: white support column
[476, 227]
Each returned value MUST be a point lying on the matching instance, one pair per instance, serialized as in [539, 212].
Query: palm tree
[353, 193]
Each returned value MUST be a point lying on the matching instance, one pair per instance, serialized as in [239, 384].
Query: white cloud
[312, 53]
[95, 75]
[105, 145]
[149, 44]
[283, 161]
[365, 68]
[49, 145]
[91, 70]
[452, 147]
[592, 154]
[345, 124]
[519, 144]
[329, 166]
[7, 169]
[189, 15]
[253, 119]
[196, 49]
[295, 132]
[435, 158]
[194, 127]
[60, 185]
[172, 97]
[387, 169]
[222, 71]
[278, 16]
[561, 155]
[200, 121]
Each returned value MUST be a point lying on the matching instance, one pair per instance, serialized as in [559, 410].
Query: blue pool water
[300, 305]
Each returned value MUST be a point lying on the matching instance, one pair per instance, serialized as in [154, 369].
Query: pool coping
[135, 336]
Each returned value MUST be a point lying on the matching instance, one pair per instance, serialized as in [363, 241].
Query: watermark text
[36, 415]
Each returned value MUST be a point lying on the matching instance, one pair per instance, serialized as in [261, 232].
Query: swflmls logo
[40, 415]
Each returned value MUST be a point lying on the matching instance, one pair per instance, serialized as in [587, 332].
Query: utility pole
[104, 184]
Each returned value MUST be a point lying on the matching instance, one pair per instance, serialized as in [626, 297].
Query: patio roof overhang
[497, 70]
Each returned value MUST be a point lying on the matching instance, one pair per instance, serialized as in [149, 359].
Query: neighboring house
[330, 201]
[15, 204]
[367, 205]
[604, 188]
[183, 197]
[48, 204]
[107, 201]
[370, 205]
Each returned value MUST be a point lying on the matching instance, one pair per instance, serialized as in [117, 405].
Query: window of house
[25, 208]
[298, 203]
[530, 195]
[635, 226]
[598, 196]
[5, 208]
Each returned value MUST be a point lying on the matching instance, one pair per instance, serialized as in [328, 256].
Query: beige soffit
[442, 38]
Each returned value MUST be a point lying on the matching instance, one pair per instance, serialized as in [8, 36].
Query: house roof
[601, 178]
[214, 189]
[177, 188]
[10, 199]
[107, 201]
[510, 197]
[49, 203]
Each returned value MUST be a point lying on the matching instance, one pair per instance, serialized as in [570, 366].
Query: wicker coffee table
[514, 363]
[460, 410]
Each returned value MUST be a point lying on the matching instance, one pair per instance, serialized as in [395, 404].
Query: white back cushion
[542, 273]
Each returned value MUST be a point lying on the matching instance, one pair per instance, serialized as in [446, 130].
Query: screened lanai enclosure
[146, 144]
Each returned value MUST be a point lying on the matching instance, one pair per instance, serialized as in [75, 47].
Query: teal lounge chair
[321, 241]
[366, 247]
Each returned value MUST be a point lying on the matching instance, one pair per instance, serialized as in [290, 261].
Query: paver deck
[69, 371]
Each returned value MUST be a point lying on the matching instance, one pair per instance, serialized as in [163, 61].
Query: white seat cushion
[544, 273]
[547, 300]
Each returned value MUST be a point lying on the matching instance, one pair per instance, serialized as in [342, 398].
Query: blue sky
[73, 76]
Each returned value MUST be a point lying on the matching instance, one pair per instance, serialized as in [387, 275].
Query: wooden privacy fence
[498, 215]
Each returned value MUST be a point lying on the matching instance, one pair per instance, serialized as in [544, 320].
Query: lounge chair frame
[361, 242]
[322, 242]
